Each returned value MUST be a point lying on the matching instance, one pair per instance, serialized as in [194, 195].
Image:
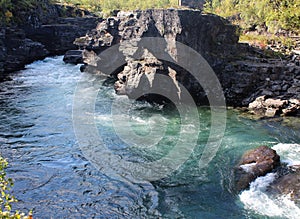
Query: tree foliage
[274, 14]
[9, 8]
[7, 199]
[107, 6]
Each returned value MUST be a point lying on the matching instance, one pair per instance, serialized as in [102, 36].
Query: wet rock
[288, 184]
[73, 57]
[255, 163]
[257, 106]
[271, 112]
[20, 50]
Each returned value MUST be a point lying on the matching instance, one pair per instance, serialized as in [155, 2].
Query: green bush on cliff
[107, 6]
[273, 14]
[6, 199]
[9, 9]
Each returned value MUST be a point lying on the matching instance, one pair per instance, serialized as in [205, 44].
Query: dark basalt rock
[73, 57]
[244, 72]
[45, 30]
[58, 37]
[255, 163]
[288, 184]
[19, 50]
[211, 36]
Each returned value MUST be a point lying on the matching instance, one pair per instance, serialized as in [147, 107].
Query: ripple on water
[54, 179]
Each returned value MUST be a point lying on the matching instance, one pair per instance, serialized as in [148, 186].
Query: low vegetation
[108, 6]
[272, 15]
[7, 199]
[10, 9]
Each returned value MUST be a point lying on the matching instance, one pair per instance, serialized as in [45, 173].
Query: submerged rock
[255, 163]
[288, 184]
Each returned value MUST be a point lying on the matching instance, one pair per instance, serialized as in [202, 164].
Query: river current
[54, 178]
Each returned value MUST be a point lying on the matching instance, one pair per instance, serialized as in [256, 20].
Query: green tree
[274, 14]
[7, 199]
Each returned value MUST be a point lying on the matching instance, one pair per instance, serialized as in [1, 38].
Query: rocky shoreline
[47, 30]
[261, 161]
[263, 85]
[244, 72]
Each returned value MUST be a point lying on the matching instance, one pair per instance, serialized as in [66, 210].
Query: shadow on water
[54, 179]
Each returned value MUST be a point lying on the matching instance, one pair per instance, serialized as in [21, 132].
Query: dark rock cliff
[243, 72]
[45, 30]
[211, 36]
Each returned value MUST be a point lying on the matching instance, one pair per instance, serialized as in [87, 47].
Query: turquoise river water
[54, 178]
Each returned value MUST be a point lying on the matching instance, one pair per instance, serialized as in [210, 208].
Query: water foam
[257, 199]
[289, 153]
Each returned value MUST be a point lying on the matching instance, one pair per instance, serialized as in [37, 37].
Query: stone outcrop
[58, 37]
[269, 107]
[255, 163]
[19, 50]
[49, 29]
[288, 184]
[244, 72]
[262, 160]
[73, 57]
[211, 36]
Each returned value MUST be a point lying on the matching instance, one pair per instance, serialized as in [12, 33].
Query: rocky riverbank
[45, 30]
[264, 84]
[261, 161]
[244, 72]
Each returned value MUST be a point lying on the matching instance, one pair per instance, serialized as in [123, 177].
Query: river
[56, 179]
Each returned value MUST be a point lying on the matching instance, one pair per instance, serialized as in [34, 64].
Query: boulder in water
[289, 184]
[255, 163]
[73, 57]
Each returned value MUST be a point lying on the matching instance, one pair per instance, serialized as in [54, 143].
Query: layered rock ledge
[44, 31]
[243, 72]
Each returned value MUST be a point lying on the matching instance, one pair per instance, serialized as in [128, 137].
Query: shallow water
[54, 177]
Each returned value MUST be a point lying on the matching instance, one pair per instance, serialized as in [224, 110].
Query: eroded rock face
[58, 36]
[19, 50]
[45, 30]
[255, 163]
[269, 107]
[211, 36]
[244, 73]
[288, 184]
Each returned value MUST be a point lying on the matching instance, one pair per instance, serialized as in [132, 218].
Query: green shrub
[107, 6]
[7, 199]
[9, 9]
[273, 14]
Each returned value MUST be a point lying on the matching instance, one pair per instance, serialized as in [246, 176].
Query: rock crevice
[244, 73]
